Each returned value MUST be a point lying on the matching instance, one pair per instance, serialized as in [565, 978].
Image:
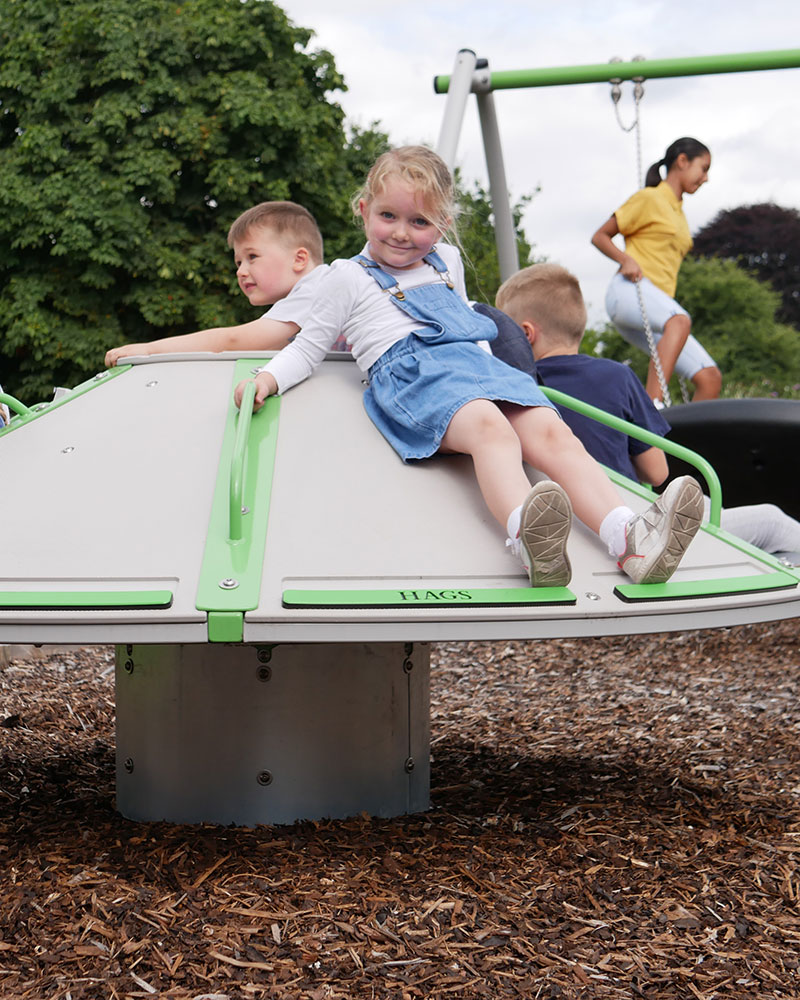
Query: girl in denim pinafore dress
[421, 381]
[431, 387]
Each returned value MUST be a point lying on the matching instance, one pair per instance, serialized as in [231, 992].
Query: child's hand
[126, 351]
[265, 386]
[630, 269]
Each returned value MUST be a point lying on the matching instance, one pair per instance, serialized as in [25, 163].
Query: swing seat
[752, 444]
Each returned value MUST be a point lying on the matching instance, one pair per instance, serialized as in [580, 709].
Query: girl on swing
[656, 241]
[402, 307]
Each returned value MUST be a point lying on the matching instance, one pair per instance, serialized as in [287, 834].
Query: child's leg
[481, 430]
[548, 444]
[537, 520]
[707, 384]
[674, 336]
[648, 546]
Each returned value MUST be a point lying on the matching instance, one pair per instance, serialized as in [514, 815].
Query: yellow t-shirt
[656, 234]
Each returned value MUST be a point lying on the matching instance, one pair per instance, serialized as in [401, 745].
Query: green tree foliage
[476, 234]
[131, 135]
[734, 318]
[764, 240]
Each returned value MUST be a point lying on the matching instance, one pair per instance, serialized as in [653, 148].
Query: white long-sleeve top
[348, 300]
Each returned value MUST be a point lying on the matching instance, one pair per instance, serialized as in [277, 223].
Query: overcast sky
[566, 140]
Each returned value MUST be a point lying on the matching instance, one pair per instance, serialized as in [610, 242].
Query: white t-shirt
[297, 304]
[349, 301]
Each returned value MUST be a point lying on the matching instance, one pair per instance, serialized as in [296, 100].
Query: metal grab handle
[237, 462]
[14, 404]
[678, 450]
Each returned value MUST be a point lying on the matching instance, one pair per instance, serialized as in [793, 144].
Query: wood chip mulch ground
[611, 818]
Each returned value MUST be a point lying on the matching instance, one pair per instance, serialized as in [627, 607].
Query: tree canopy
[131, 136]
[476, 236]
[763, 239]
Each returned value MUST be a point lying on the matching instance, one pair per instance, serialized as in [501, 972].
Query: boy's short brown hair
[547, 295]
[286, 219]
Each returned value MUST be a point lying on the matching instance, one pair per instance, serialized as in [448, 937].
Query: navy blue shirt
[611, 387]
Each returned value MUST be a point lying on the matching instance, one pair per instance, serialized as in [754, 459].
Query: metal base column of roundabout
[260, 734]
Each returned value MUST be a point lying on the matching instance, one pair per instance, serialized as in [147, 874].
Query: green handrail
[649, 69]
[14, 404]
[670, 447]
[235, 533]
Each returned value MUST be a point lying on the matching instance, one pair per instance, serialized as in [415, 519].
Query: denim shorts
[622, 305]
[415, 388]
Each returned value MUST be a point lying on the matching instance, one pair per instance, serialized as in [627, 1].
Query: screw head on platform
[229, 583]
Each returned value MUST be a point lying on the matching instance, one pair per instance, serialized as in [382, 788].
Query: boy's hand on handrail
[265, 386]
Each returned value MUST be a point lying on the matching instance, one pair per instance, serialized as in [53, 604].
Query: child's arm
[265, 386]
[262, 334]
[651, 466]
[603, 239]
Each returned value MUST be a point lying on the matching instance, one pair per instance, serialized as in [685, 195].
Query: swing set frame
[472, 75]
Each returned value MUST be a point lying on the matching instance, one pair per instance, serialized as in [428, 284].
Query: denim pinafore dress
[417, 385]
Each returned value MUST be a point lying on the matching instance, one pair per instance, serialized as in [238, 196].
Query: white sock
[612, 530]
[512, 527]
[512, 524]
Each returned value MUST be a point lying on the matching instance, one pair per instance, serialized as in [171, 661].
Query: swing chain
[638, 94]
[616, 94]
[635, 126]
[651, 343]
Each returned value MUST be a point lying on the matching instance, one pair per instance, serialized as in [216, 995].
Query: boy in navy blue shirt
[545, 300]
[545, 303]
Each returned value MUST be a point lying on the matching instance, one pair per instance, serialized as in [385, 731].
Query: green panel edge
[225, 626]
[241, 560]
[112, 600]
[448, 597]
[674, 590]
[41, 409]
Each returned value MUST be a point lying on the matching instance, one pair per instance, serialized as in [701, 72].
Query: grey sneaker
[545, 521]
[657, 539]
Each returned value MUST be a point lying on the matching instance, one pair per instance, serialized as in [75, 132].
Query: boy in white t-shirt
[277, 247]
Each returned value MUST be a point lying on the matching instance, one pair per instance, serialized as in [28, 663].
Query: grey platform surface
[113, 490]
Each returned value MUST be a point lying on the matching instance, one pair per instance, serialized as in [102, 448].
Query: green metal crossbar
[649, 69]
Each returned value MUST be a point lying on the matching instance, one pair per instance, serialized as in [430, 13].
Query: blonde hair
[549, 296]
[425, 171]
[287, 220]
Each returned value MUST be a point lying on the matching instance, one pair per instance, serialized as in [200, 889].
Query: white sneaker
[657, 539]
[545, 521]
